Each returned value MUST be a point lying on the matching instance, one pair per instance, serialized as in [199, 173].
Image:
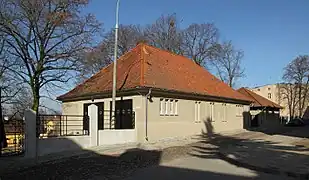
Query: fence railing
[78, 125]
[15, 135]
[62, 125]
[120, 120]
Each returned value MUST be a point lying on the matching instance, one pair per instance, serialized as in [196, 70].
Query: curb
[274, 170]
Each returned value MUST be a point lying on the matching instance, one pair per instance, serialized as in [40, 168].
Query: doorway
[100, 106]
[124, 114]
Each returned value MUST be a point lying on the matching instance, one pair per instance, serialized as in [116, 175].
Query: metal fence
[62, 125]
[15, 136]
[78, 125]
[120, 120]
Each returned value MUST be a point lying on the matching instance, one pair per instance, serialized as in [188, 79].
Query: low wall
[108, 137]
[58, 144]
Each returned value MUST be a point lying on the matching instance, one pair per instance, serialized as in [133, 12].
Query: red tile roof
[258, 101]
[147, 66]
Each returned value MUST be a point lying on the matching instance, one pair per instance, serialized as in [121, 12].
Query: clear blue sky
[271, 32]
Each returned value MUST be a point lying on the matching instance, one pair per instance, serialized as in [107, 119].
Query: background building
[278, 95]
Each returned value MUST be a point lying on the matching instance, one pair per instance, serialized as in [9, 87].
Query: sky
[270, 32]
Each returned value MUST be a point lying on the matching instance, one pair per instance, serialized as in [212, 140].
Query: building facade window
[269, 95]
[171, 107]
[197, 111]
[168, 107]
[162, 106]
[211, 111]
[176, 107]
[239, 110]
[224, 113]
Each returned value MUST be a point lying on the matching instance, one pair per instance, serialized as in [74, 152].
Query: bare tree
[9, 87]
[96, 58]
[200, 42]
[288, 94]
[297, 73]
[165, 34]
[45, 37]
[128, 37]
[228, 63]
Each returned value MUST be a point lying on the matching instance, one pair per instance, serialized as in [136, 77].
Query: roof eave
[155, 91]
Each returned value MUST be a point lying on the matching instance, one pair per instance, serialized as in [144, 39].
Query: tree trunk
[299, 100]
[36, 98]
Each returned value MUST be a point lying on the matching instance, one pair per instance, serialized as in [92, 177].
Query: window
[268, 89]
[269, 95]
[224, 115]
[197, 111]
[168, 107]
[176, 107]
[171, 107]
[211, 111]
[239, 110]
[258, 89]
[161, 106]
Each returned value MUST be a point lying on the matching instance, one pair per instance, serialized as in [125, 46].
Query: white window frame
[171, 106]
[197, 111]
[176, 107]
[213, 112]
[224, 112]
[166, 107]
[161, 106]
[239, 110]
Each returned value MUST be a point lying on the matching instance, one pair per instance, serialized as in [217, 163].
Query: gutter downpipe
[146, 114]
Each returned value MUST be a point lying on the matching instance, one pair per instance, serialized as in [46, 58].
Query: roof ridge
[181, 56]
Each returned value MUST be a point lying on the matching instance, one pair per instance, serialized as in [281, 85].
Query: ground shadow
[301, 131]
[275, 128]
[134, 163]
[254, 153]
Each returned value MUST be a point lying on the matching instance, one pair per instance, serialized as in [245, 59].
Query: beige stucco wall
[184, 124]
[275, 96]
[77, 108]
[167, 126]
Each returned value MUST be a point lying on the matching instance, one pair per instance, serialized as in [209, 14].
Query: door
[255, 121]
[124, 115]
[100, 106]
[86, 118]
[100, 115]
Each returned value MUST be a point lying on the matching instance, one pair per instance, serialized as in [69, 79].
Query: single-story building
[264, 113]
[159, 95]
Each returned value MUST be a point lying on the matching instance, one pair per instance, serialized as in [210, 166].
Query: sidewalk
[9, 164]
[271, 154]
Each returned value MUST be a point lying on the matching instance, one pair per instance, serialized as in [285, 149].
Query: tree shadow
[254, 153]
[134, 163]
[275, 128]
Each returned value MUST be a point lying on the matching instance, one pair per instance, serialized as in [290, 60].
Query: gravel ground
[110, 166]
[107, 167]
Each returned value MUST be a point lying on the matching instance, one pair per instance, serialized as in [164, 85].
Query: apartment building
[272, 93]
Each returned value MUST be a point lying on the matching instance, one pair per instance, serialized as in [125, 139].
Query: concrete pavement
[199, 169]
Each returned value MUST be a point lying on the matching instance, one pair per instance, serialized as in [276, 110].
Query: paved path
[199, 169]
[272, 153]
